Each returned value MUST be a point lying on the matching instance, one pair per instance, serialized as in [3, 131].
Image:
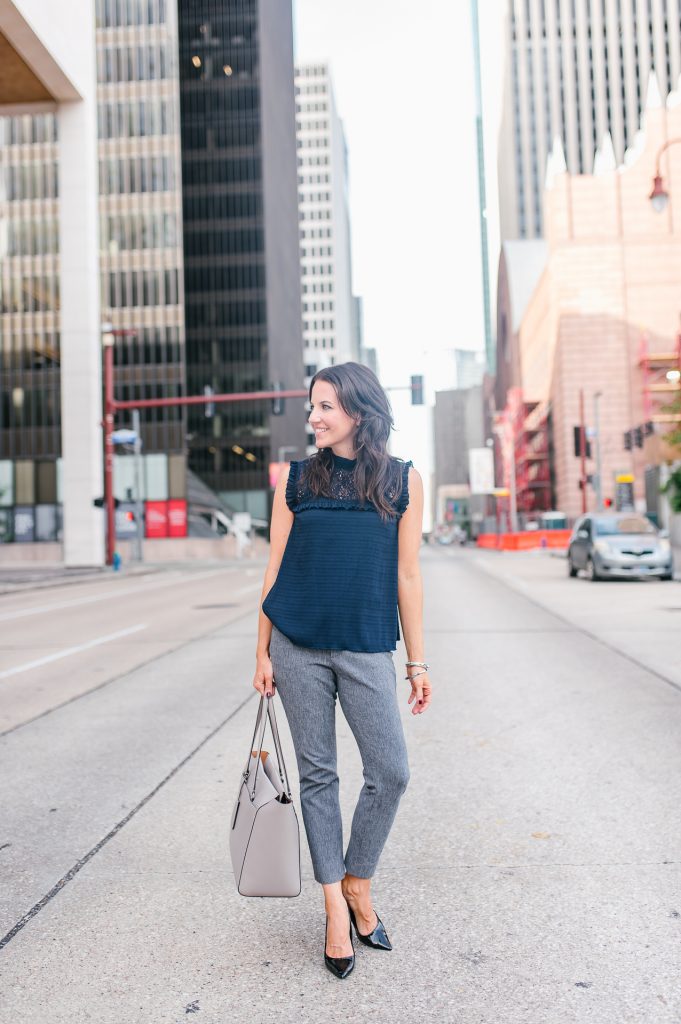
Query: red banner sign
[177, 518]
[156, 518]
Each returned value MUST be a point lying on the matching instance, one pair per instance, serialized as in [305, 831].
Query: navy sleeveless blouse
[337, 583]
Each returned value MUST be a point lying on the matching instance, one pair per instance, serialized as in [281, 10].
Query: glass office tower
[241, 256]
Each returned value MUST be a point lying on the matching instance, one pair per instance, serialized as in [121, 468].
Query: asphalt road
[533, 871]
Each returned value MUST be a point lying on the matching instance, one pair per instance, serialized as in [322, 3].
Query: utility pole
[582, 448]
[597, 439]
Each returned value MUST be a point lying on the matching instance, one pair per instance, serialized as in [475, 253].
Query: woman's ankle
[334, 899]
[356, 889]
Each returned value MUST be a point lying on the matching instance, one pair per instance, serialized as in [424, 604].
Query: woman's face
[333, 428]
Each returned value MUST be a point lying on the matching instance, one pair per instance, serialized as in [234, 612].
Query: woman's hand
[420, 693]
[263, 680]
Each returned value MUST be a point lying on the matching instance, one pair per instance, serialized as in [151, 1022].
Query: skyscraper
[576, 69]
[330, 319]
[242, 272]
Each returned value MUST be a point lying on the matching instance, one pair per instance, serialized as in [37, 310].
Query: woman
[344, 548]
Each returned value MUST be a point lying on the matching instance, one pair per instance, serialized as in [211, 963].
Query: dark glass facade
[241, 260]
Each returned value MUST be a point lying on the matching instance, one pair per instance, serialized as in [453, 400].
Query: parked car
[619, 545]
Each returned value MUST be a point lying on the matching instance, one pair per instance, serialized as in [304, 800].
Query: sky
[403, 76]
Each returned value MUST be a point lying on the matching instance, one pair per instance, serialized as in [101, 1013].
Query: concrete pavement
[532, 875]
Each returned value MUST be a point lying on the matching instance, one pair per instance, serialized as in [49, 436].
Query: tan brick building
[609, 288]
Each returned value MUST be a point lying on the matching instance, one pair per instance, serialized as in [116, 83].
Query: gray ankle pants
[308, 682]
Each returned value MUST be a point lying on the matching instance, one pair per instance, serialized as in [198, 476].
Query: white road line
[109, 595]
[69, 650]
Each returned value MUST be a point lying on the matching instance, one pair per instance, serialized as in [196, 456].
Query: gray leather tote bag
[264, 838]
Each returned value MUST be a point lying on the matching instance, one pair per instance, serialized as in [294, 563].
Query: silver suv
[617, 545]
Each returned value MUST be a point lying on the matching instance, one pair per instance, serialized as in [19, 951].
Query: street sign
[481, 470]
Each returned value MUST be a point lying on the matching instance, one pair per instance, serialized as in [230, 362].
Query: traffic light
[607, 502]
[638, 437]
[577, 437]
[278, 403]
[628, 440]
[130, 516]
[417, 389]
[99, 502]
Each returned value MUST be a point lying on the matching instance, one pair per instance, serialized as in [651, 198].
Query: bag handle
[281, 763]
[261, 723]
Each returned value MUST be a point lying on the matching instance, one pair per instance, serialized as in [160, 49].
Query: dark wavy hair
[377, 476]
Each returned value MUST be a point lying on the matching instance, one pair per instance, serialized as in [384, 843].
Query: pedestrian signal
[578, 433]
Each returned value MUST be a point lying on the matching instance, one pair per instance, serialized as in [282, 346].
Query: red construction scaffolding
[525, 431]
[661, 381]
[533, 470]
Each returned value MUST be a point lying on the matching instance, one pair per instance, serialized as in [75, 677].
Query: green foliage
[674, 436]
[672, 488]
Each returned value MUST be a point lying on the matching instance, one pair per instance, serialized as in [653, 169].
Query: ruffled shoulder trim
[403, 500]
[292, 484]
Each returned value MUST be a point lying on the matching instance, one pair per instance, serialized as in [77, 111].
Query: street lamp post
[659, 197]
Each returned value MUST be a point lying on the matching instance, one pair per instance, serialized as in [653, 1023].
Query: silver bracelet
[418, 664]
[416, 674]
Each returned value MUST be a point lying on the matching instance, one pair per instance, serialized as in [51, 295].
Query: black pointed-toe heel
[339, 965]
[377, 939]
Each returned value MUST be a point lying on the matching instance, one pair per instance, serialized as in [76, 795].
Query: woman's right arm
[280, 527]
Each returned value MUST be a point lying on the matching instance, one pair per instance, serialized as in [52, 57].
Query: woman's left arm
[410, 591]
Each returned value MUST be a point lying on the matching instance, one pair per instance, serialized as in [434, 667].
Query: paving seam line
[124, 675]
[522, 589]
[73, 871]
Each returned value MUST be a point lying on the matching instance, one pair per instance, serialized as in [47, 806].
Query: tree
[672, 488]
